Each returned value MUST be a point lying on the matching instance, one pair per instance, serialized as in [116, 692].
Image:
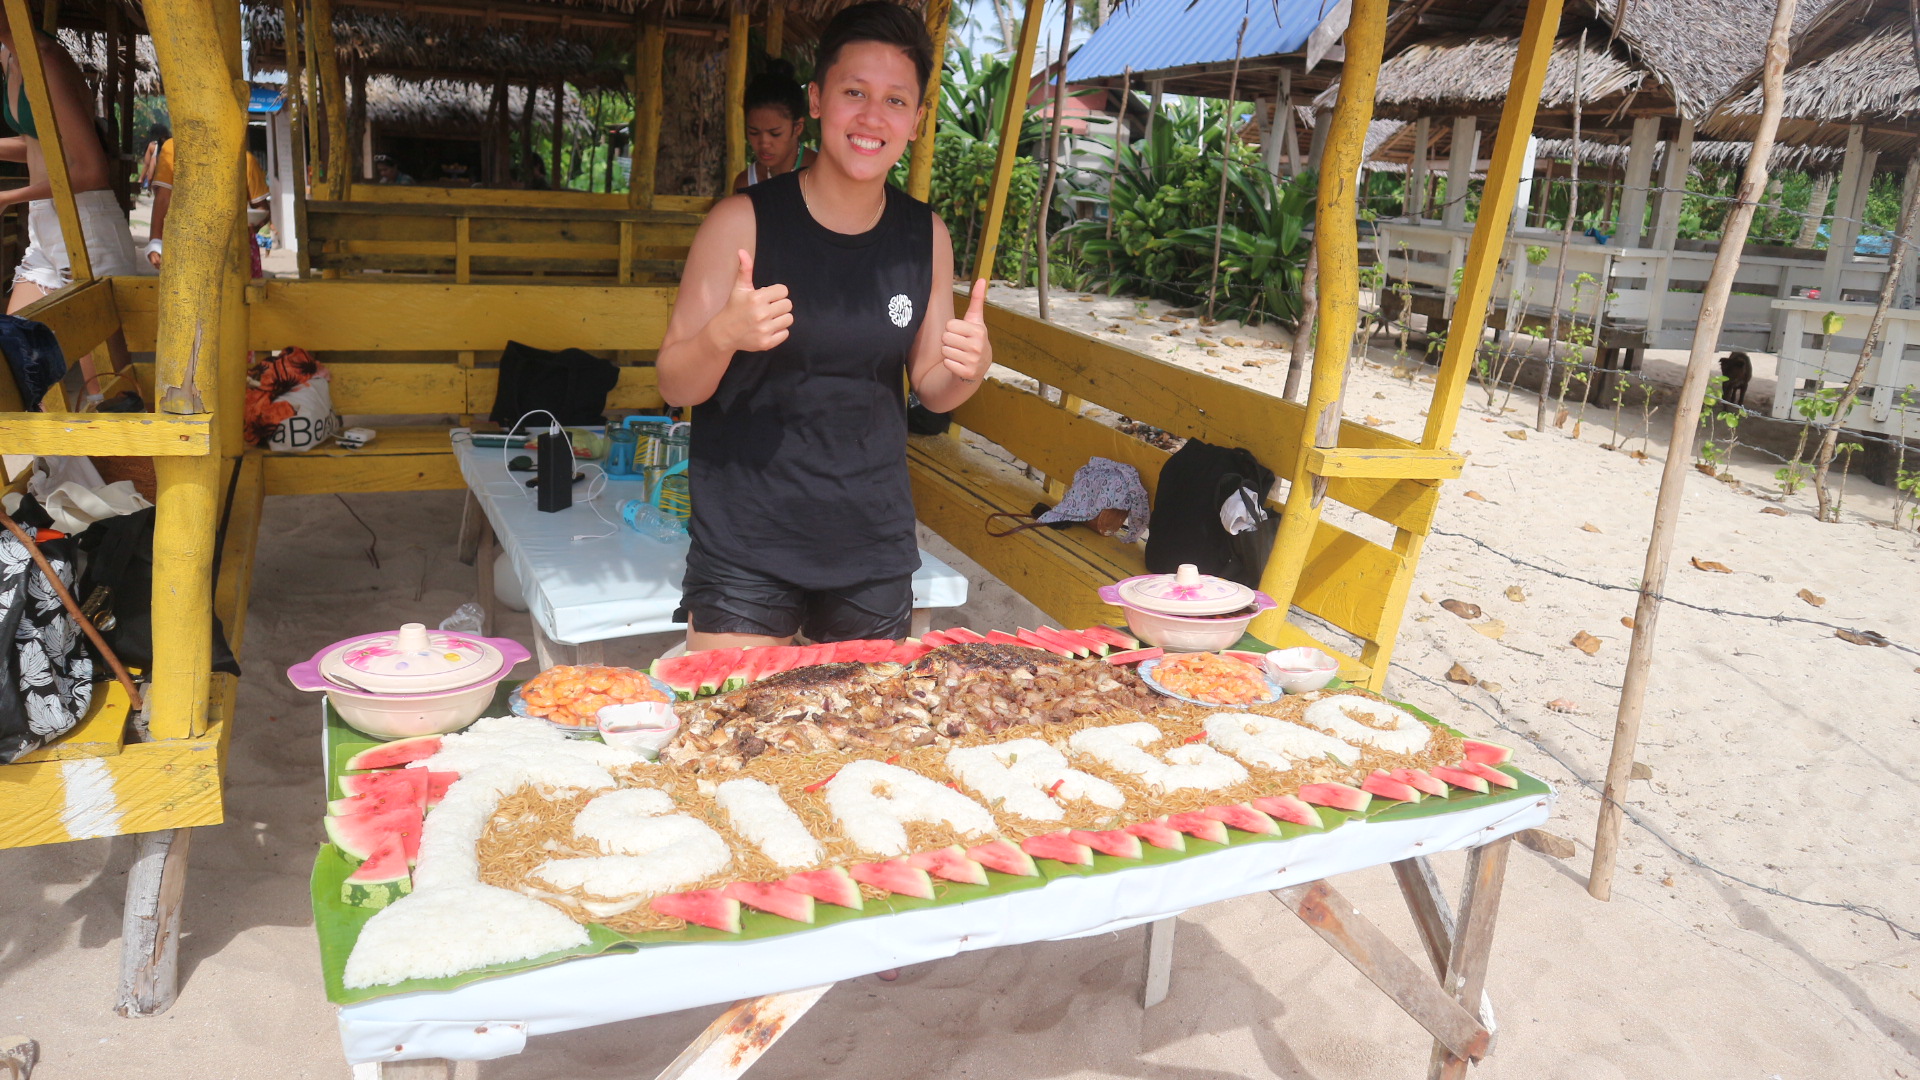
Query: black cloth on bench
[1194, 482]
[572, 384]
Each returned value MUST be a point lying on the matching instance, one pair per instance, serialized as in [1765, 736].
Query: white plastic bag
[313, 421]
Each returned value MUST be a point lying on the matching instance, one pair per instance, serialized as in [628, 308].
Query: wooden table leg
[470, 518]
[920, 622]
[421, 1069]
[1432, 916]
[593, 653]
[546, 651]
[1473, 942]
[732, 1043]
[485, 554]
[1159, 962]
[150, 934]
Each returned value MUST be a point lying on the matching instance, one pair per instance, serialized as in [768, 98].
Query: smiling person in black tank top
[803, 303]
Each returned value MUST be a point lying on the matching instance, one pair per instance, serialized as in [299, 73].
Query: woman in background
[776, 116]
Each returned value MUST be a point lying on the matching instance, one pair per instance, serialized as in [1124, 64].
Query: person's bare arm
[950, 356]
[73, 108]
[718, 311]
[162, 202]
[13, 148]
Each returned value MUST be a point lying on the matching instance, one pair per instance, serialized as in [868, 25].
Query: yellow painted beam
[736, 97]
[298, 120]
[419, 195]
[333, 95]
[1384, 464]
[1490, 231]
[81, 315]
[110, 434]
[920, 165]
[234, 586]
[649, 67]
[1337, 244]
[33, 78]
[777, 27]
[101, 733]
[171, 784]
[326, 315]
[313, 474]
[1010, 124]
[186, 516]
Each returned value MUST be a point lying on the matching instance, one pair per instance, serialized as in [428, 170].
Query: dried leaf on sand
[1590, 527]
[1516, 594]
[1809, 597]
[1458, 674]
[1705, 564]
[1492, 628]
[1462, 608]
[1585, 642]
[1476, 496]
[1868, 637]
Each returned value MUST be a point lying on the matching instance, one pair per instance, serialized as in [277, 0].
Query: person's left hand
[963, 347]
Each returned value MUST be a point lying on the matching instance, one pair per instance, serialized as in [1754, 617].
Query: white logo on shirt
[900, 310]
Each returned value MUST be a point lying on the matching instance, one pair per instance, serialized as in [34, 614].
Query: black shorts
[724, 599]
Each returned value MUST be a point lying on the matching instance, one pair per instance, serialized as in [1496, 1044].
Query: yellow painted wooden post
[920, 166]
[649, 62]
[776, 27]
[1337, 239]
[1010, 124]
[33, 76]
[1490, 231]
[207, 110]
[298, 121]
[736, 93]
[333, 90]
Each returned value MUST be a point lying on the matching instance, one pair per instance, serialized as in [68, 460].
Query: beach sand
[1782, 757]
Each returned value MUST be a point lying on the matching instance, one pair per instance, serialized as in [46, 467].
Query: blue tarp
[1153, 35]
[265, 99]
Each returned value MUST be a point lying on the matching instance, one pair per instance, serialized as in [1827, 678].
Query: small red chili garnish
[1055, 789]
[818, 784]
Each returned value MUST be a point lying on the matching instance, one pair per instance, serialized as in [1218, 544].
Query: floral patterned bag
[46, 672]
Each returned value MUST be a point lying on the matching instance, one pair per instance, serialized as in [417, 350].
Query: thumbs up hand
[754, 320]
[964, 346]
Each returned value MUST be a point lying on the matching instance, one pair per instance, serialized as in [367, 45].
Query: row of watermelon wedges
[717, 671]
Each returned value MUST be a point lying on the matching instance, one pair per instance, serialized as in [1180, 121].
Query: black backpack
[572, 384]
[1194, 482]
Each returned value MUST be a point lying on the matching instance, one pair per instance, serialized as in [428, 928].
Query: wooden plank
[688, 219]
[186, 516]
[1347, 580]
[81, 315]
[1374, 955]
[33, 79]
[1384, 464]
[737, 1038]
[1473, 943]
[379, 389]
[684, 204]
[425, 315]
[649, 66]
[145, 787]
[101, 733]
[234, 583]
[313, 474]
[137, 300]
[471, 199]
[638, 388]
[111, 434]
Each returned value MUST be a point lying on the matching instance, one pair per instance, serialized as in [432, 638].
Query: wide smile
[866, 144]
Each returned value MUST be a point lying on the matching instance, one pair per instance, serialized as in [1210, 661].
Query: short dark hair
[776, 87]
[876, 20]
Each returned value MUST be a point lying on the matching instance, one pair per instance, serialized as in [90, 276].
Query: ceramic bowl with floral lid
[1187, 610]
[413, 681]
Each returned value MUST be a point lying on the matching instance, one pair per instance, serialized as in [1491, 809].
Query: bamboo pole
[109, 99]
[558, 136]
[209, 115]
[1337, 240]
[1673, 478]
[1011, 121]
[1053, 158]
[736, 92]
[1566, 241]
[920, 164]
[777, 29]
[316, 103]
[1119, 140]
[333, 91]
[1226, 163]
[33, 78]
[298, 121]
[527, 106]
[357, 122]
[649, 62]
[1490, 231]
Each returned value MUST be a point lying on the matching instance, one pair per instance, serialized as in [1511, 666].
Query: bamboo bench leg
[1466, 976]
[1432, 916]
[1159, 962]
[150, 935]
[734, 1041]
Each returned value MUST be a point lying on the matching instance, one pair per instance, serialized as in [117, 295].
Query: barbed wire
[1599, 788]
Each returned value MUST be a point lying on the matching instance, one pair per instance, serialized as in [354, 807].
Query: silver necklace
[809, 204]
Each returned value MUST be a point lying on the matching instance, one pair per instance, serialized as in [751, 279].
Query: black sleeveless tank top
[799, 459]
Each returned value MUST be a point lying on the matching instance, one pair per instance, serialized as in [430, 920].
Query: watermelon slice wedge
[1243, 817]
[1058, 846]
[360, 835]
[1135, 656]
[895, 876]
[1424, 782]
[1159, 834]
[1460, 778]
[381, 879]
[997, 637]
[437, 785]
[1118, 843]
[1381, 783]
[395, 785]
[1289, 808]
[680, 673]
[960, 635]
[1487, 753]
[1490, 774]
[717, 675]
[830, 886]
[773, 899]
[1199, 826]
[1067, 640]
[1037, 640]
[1095, 646]
[701, 907]
[950, 863]
[934, 639]
[397, 752]
[379, 802]
[1120, 642]
[1002, 857]
[1337, 796]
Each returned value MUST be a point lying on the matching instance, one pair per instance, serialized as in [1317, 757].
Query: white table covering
[493, 1018]
[612, 582]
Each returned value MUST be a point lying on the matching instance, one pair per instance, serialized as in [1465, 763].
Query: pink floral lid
[1187, 592]
[413, 660]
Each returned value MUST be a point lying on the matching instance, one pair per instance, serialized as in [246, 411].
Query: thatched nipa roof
[1465, 75]
[392, 44]
[89, 49]
[443, 108]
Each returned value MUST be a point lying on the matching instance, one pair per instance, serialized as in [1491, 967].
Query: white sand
[1781, 755]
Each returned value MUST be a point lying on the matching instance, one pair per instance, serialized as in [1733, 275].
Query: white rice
[651, 855]
[1017, 775]
[1407, 735]
[875, 821]
[430, 934]
[506, 740]
[756, 811]
[1193, 766]
[449, 843]
[1275, 744]
[610, 817]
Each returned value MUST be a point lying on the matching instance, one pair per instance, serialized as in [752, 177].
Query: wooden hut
[1852, 89]
[1648, 74]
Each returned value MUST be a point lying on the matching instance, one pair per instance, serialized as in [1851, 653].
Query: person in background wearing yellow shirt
[259, 204]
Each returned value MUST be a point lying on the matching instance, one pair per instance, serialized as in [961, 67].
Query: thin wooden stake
[1119, 137]
[1053, 156]
[1010, 121]
[1566, 241]
[1226, 162]
[1673, 479]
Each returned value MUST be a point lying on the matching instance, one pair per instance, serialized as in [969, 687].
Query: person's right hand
[154, 258]
[754, 320]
